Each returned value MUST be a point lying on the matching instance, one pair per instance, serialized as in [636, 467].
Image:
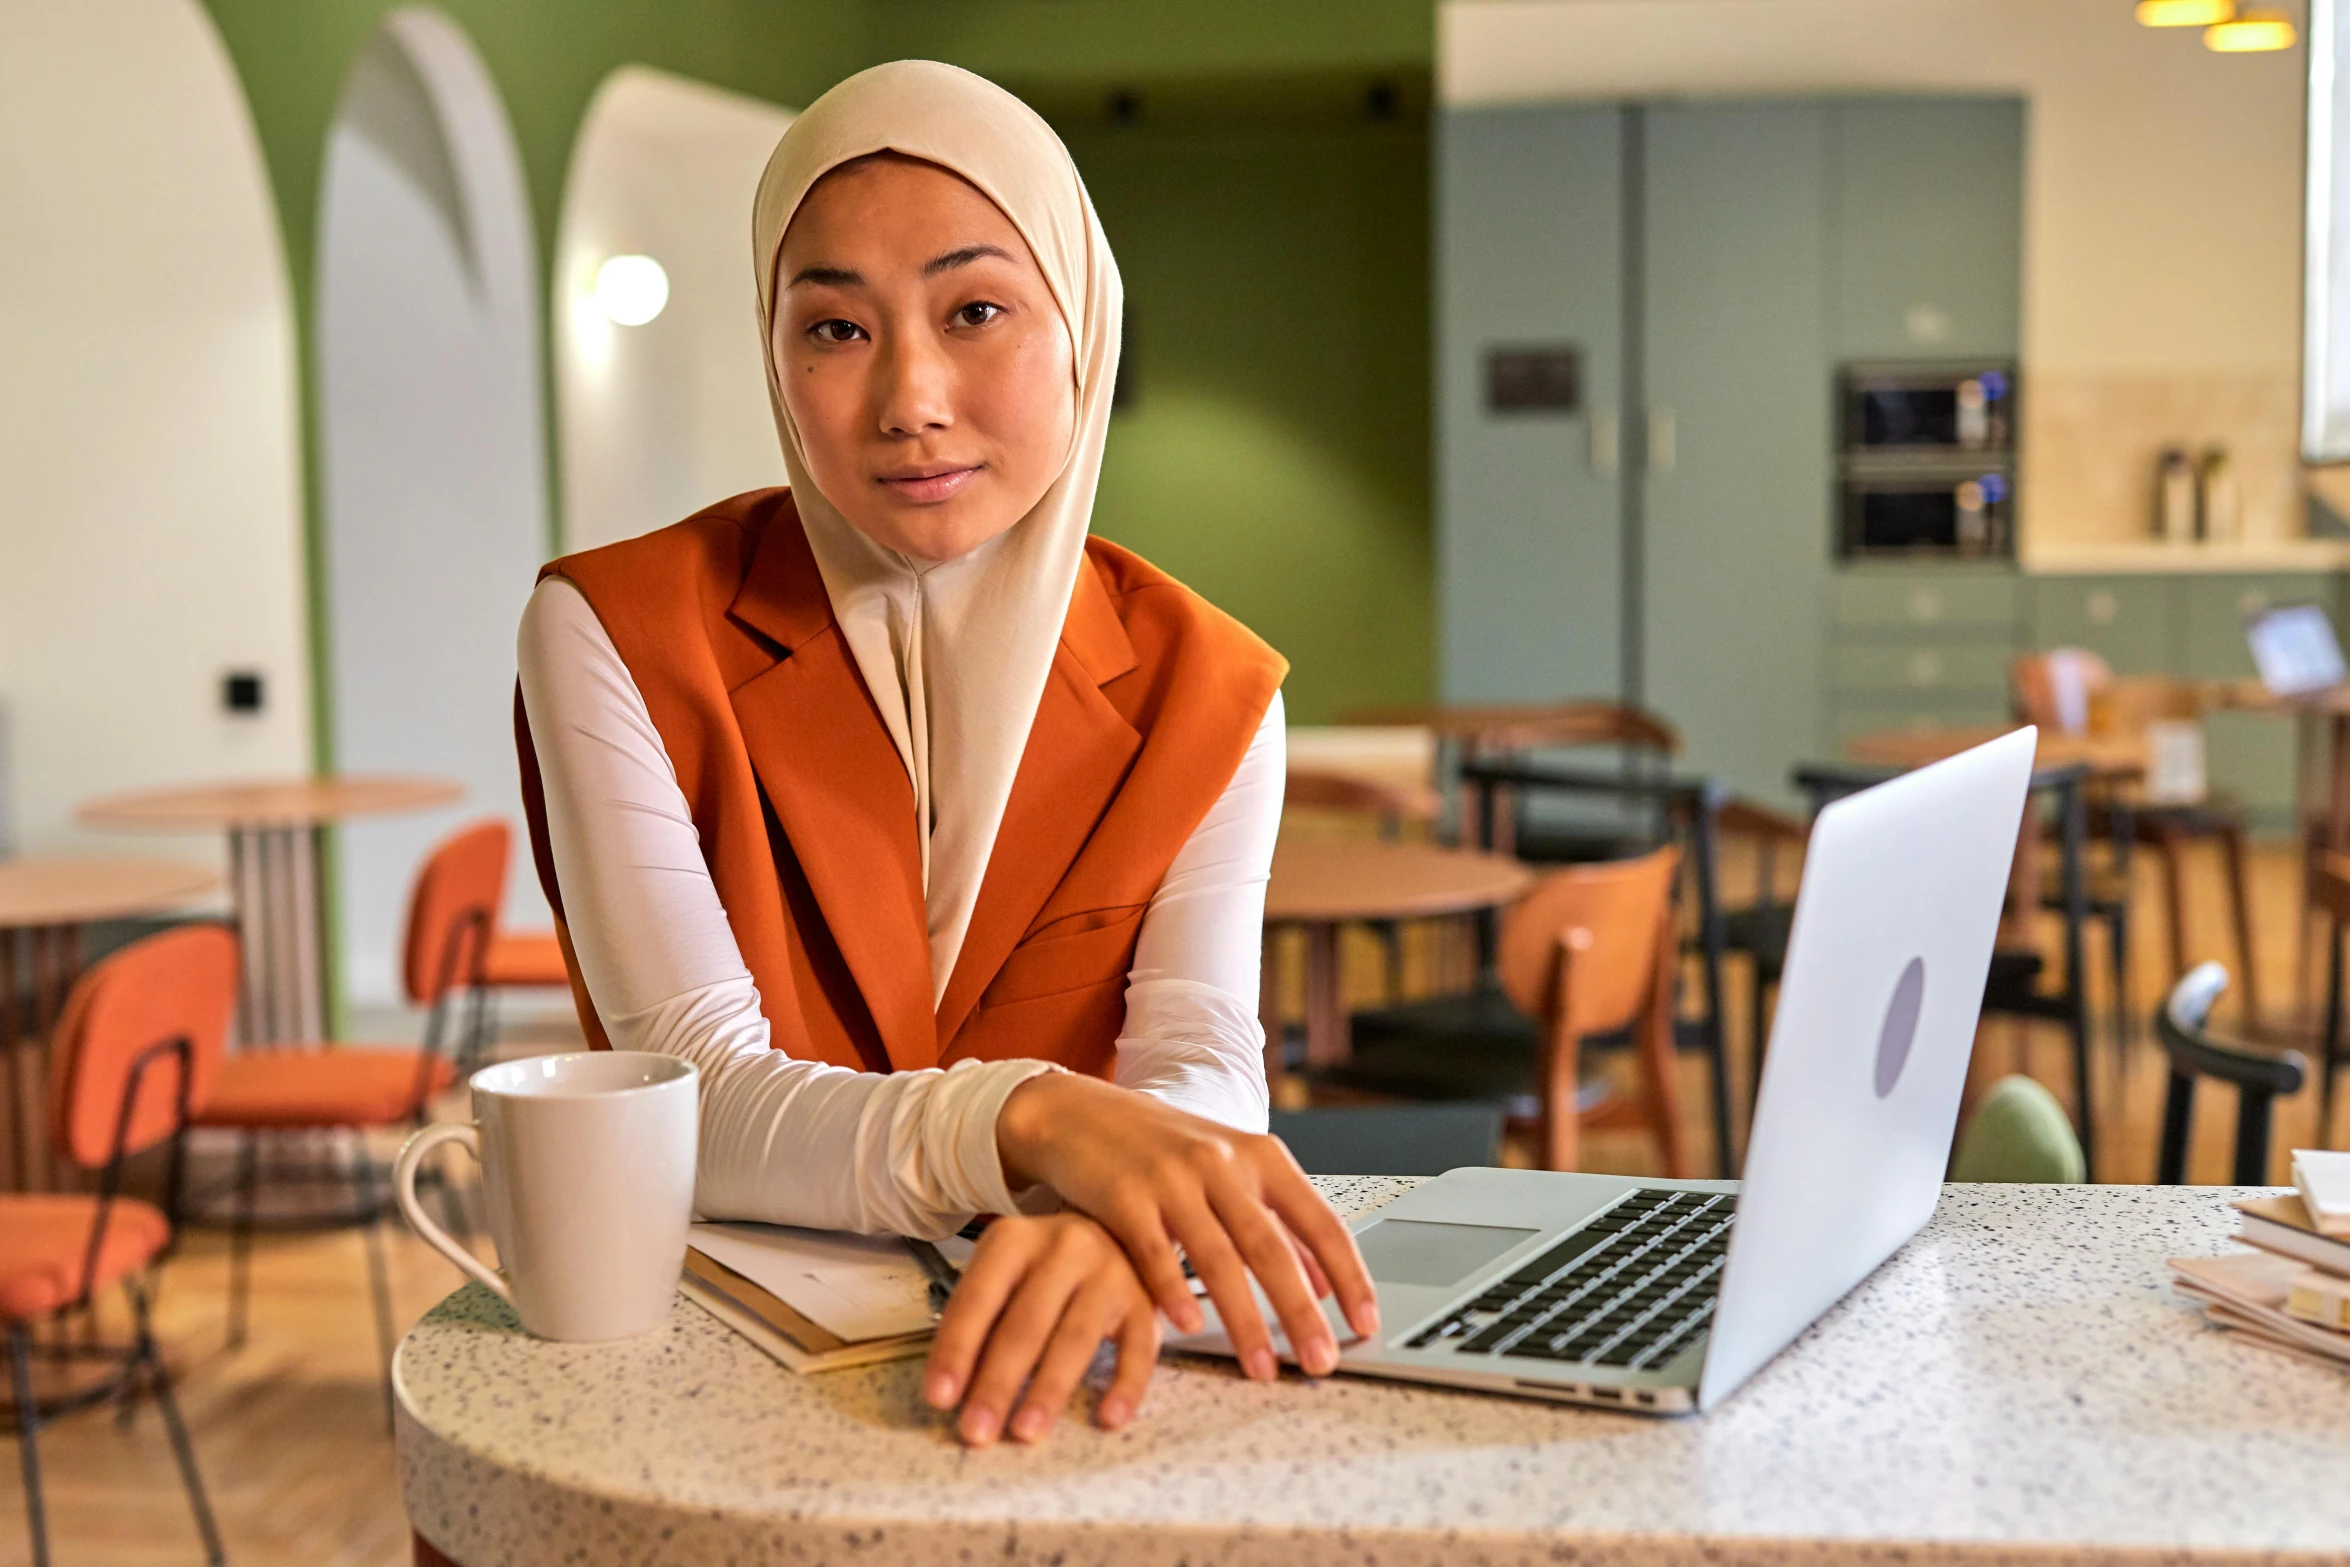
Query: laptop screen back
[2296, 650]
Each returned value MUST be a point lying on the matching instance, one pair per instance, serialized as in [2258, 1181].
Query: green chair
[2020, 1134]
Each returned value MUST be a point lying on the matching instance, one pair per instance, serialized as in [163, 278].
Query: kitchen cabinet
[1735, 541]
[1529, 554]
[1711, 264]
[2132, 623]
[2249, 755]
[1925, 235]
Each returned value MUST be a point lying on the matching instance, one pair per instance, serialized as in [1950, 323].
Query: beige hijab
[956, 654]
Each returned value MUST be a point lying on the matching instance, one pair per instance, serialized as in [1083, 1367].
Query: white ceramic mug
[587, 1164]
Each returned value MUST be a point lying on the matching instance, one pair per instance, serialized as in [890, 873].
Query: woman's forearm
[783, 1140]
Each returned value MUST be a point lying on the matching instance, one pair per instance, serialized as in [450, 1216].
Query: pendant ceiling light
[2252, 31]
[2184, 13]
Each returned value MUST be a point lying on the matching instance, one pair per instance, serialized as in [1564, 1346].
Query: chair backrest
[1580, 723]
[2053, 688]
[1621, 908]
[2019, 1133]
[2329, 883]
[178, 984]
[2259, 1076]
[453, 910]
[1392, 804]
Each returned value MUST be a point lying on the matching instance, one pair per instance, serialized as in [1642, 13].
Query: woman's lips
[929, 485]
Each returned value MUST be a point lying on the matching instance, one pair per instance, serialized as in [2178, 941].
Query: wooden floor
[290, 1429]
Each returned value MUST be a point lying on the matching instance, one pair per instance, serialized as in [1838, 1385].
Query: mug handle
[404, 1168]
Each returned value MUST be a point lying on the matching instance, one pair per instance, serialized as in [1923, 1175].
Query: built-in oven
[1927, 410]
[1929, 511]
[1926, 460]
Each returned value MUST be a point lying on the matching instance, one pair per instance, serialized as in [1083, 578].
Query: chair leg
[379, 1279]
[2125, 1013]
[167, 1405]
[2329, 1050]
[28, 1426]
[240, 1239]
[2175, 895]
[2239, 884]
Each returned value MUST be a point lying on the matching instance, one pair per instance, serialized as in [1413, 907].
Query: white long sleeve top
[805, 1142]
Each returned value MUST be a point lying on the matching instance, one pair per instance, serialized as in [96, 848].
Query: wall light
[631, 290]
[2251, 32]
[2184, 13]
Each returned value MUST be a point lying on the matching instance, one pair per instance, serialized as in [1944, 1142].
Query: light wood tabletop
[272, 802]
[1341, 879]
[2113, 756]
[1323, 883]
[63, 890]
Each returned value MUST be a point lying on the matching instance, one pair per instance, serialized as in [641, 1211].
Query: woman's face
[921, 356]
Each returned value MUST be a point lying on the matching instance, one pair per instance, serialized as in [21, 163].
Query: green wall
[1275, 451]
[1272, 232]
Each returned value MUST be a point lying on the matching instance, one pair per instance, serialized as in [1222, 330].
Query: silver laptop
[1664, 1296]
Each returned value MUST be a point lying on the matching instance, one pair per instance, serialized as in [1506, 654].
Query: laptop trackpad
[1414, 1251]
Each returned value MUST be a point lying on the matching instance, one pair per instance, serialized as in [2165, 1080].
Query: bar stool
[140, 1038]
[2259, 1077]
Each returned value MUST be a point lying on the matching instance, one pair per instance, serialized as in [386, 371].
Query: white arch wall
[150, 489]
[656, 421]
[433, 457]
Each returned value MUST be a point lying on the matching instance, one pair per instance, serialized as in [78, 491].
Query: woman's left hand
[1033, 1307]
[1235, 1202]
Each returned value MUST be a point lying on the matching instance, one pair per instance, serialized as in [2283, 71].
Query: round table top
[2018, 1383]
[2117, 756]
[268, 802]
[2250, 696]
[74, 890]
[1469, 721]
[1320, 880]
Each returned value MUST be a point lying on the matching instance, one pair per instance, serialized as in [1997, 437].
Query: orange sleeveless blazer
[806, 814]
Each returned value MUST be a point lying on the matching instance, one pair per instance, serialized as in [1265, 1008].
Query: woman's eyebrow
[963, 258]
[837, 277]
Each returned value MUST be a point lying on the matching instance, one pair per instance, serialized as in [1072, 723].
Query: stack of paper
[813, 1299]
[2293, 1293]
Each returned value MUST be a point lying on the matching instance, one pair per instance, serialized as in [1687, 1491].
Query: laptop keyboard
[1632, 1288]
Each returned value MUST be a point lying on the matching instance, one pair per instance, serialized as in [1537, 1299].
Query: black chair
[2259, 1076]
[1391, 1139]
[2013, 986]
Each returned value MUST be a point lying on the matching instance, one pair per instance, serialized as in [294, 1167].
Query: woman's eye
[977, 313]
[836, 331]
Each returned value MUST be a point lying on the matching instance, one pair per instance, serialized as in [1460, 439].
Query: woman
[910, 814]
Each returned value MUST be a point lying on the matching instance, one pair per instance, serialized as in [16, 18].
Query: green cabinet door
[1925, 210]
[1529, 523]
[2133, 623]
[2250, 755]
[1738, 481]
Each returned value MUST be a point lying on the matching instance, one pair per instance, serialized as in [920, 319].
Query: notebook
[2246, 1293]
[2323, 1180]
[814, 1299]
[2282, 1225]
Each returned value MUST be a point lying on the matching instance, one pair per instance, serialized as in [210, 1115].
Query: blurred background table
[44, 904]
[1322, 884]
[276, 831]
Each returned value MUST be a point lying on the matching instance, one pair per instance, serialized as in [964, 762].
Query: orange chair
[516, 959]
[1588, 953]
[140, 1038]
[350, 1089]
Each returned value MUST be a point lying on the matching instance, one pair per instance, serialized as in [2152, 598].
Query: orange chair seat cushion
[355, 1085]
[528, 957]
[45, 1243]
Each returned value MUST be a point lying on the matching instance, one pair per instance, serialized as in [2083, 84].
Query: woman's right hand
[1237, 1204]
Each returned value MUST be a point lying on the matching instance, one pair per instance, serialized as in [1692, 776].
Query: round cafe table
[1320, 884]
[276, 831]
[44, 903]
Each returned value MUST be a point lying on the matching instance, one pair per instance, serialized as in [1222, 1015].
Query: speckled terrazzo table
[2018, 1385]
